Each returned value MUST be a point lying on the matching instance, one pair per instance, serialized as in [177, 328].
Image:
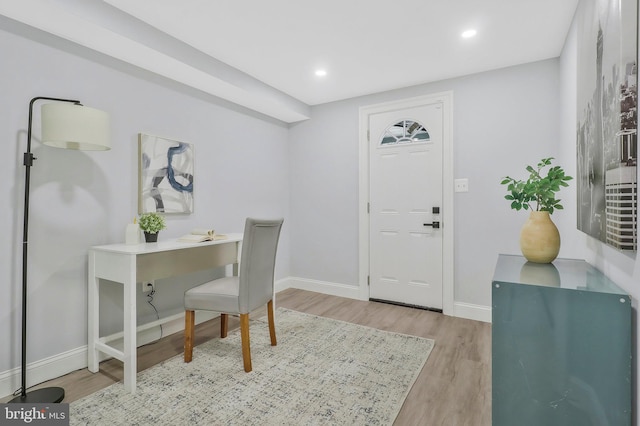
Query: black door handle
[435, 225]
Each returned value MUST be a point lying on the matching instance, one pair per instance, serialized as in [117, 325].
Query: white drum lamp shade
[71, 126]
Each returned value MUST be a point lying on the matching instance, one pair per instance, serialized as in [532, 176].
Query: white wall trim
[43, 370]
[472, 312]
[76, 359]
[446, 98]
[282, 284]
[325, 287]
[459, 309]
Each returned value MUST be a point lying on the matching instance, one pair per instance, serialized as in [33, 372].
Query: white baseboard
[472, 312]
[76, 359]
[325, 287]
[460, 309]
[43, 370]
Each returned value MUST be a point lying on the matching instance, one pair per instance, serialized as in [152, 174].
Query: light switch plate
[461, 185]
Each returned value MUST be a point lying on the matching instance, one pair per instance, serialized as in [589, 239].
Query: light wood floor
[453, 389]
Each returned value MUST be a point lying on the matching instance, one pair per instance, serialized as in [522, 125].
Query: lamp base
[40, 395]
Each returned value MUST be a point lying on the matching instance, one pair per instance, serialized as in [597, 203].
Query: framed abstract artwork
[165, 175]
[607, 121]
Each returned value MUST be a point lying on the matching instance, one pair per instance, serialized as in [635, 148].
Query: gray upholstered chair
[242, 294]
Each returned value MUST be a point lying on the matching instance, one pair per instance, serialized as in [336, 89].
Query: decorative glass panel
[405, 131]
[583, 321]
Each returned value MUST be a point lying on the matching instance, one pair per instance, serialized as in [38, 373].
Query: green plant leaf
[538, 188]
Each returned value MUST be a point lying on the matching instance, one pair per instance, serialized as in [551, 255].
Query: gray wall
[250, 165]
[80, 199]
[502, 120]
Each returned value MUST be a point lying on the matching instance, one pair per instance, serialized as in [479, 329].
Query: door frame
[446, 100]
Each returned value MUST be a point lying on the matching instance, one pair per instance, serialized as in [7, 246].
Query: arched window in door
[405, 131]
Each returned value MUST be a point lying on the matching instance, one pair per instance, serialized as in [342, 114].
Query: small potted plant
[151, 224]
[539, 238]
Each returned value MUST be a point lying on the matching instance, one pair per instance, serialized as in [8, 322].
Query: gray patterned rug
[323, 372]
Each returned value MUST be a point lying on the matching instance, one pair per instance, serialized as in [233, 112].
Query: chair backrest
[257, 264]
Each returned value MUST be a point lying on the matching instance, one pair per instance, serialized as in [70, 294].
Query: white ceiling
[366, 46]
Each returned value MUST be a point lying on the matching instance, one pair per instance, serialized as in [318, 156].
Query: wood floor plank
[453, 388]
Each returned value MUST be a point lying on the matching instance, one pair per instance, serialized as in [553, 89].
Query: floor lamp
[66, 124]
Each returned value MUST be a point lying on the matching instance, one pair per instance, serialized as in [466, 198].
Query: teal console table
[561, 345]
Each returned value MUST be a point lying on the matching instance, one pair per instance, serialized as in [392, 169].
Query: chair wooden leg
[246, 346]
[224, 324]
[189, 331]
[272, 324]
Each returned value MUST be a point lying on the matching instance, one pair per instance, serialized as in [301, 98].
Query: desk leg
[130, 316]
[93, 314]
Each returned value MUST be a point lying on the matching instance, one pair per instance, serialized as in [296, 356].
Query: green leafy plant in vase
[151, 224]
[539, 238]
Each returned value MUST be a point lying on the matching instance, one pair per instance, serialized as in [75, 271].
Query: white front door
[406, 199]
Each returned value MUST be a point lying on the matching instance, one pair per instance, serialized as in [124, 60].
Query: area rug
[322, 372]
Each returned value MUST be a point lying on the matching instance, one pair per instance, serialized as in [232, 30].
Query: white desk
[131, 264]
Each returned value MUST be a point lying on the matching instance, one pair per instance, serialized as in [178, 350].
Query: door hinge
[368, 280]
[368, 207]
[368, 136]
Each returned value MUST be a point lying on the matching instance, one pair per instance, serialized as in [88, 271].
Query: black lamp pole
[52, 394]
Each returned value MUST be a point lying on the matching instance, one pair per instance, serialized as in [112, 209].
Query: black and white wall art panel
[607, 139]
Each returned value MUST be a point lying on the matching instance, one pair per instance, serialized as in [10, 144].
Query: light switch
[461, 185]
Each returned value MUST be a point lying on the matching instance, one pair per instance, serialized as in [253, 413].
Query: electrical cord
[150, 302]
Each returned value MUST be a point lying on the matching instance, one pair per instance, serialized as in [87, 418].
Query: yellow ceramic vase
[539, 238]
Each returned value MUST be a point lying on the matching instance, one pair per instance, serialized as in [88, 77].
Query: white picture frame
[165, 175]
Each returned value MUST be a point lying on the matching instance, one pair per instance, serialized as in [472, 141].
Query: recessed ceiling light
[469, 33]
[321, 73]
